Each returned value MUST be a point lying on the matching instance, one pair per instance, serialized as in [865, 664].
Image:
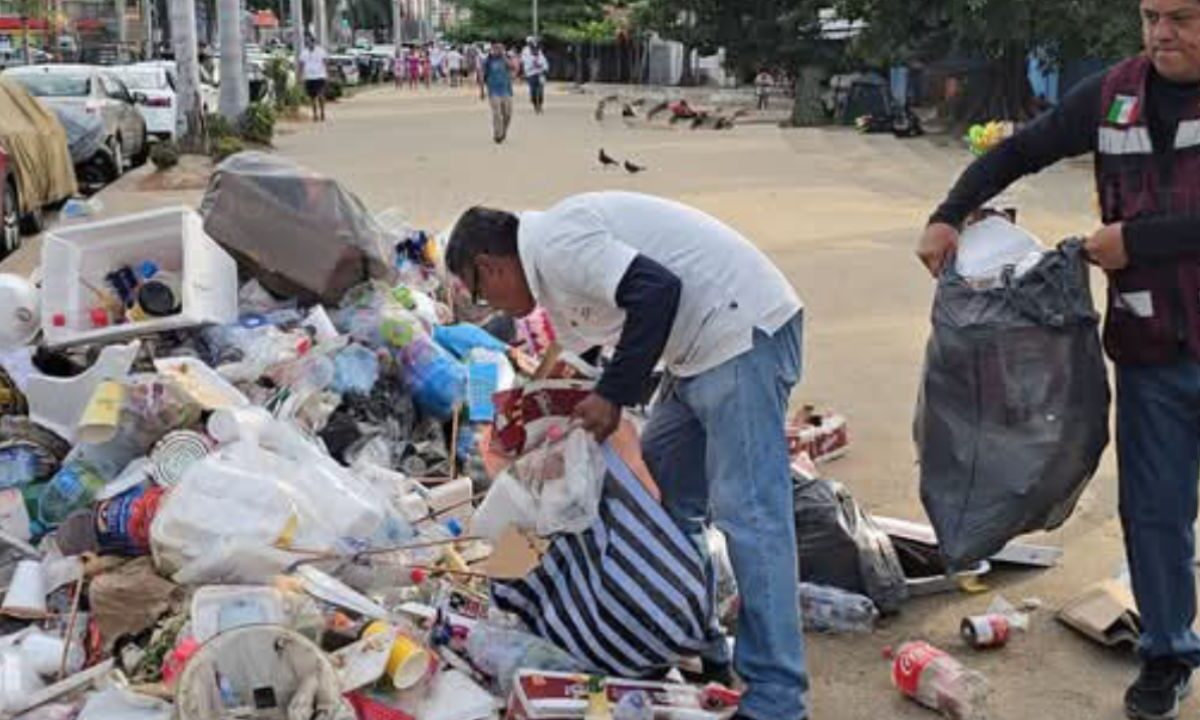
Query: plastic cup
[26, 596]
[408, 661]
[102, 414]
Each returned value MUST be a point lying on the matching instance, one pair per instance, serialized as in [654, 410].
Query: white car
[98, 92]
[209, 95]
[158, 108]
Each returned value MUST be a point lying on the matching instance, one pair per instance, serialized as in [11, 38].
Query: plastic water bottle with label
[74, 486]
[832, 610]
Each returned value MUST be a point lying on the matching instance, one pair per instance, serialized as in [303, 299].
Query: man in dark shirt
[1141, 119]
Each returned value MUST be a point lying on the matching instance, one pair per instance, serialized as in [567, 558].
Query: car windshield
[44, 84]
[144, 79]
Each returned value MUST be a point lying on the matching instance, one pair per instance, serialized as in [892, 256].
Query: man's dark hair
[480, 231]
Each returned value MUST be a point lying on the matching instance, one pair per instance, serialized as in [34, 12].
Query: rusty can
[986, 631]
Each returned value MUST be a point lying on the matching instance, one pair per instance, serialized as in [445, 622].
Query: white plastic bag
[989, 246]
[565, 479]
[276, 491]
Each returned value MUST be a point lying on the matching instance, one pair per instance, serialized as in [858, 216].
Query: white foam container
[173, 238]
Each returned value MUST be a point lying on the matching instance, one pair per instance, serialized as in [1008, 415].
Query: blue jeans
[1158, 449]
[717, 447]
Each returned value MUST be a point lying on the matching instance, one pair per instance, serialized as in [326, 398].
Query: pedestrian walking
[496, 78]
[454, 66]
[763, 82]
[314, 70]
[399, 67]
[414, 68]
[657, 280]
[1140, 120]
[535, 68]
[437, 61]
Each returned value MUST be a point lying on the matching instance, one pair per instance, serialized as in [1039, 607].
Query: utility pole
[298, 32]
[148, 28]
[535, 18]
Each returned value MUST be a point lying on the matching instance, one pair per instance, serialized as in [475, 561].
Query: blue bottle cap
[455, 527]
[148, 269]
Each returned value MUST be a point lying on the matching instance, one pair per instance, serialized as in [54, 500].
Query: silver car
[98, 92]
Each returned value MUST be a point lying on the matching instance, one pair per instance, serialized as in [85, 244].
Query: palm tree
[235, 89]
[189, 118]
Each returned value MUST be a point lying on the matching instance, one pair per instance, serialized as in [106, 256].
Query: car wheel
[10, 239]
[97, 172]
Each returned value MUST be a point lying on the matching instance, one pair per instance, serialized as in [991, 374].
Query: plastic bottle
[18, 466]
[634, 705]
[500, 652]
[936, 680]
[74, 486]
[832, 610]
[598, 707]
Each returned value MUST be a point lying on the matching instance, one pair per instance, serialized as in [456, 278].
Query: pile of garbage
[265, 461]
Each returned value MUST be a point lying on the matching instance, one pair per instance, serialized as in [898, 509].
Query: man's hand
[1107, 247]
[937, 246]
[598, 416]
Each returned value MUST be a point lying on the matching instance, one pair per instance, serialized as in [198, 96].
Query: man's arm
[1161, 238]
[649, 294]
[1068, 130]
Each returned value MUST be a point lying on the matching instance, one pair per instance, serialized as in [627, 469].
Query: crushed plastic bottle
[832, 610]
[18, 466]
[634, 705]
[936, 680]
[500, 652]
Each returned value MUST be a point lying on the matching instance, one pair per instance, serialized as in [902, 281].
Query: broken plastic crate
[75, 258]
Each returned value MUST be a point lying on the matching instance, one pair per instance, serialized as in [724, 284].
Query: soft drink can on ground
[986, 631]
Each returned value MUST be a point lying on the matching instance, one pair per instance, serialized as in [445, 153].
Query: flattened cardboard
[1105, 612]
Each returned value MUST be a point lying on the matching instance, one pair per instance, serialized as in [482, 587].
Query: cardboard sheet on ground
[37, 145]
[1105, 612]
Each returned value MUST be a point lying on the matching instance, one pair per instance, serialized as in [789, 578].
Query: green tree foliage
[512, 20]
[1001, 32]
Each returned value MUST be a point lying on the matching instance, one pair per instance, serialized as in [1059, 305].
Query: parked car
[87, 141]
[98, 92]
[344, 68]
[159, 107]
[209, 95]
[35, 170]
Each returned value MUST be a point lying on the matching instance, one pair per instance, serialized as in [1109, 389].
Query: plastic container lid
[158, 299]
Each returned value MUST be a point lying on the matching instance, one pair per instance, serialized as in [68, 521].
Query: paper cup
[408, 661]
[26, 596]
[102, 415]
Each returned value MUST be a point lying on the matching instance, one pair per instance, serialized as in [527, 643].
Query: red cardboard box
[538, 695]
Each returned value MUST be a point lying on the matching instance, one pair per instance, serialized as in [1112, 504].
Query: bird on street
[605, 160]
[633, 169]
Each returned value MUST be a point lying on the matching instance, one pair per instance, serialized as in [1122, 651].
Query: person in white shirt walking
[454, 65]
[315, 73]
[657, 280]
[535, 67]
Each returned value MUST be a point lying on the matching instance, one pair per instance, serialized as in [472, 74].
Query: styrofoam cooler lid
[20, 312]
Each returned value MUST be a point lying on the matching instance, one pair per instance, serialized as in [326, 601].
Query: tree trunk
[320, 22]
[1001, 92]
[25, 39]
[235, 89]
[189, 119]
[122, 34]
[148, 29]
[807, 111]
[297, 33]
[396, 34]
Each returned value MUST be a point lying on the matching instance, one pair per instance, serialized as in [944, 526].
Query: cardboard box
[540, 695]
[1106, 612]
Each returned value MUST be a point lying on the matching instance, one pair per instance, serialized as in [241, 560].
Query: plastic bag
[1012, 415]
[500, 652]
[565, 480]
[990, 246]
[275, 491]
[839, 545]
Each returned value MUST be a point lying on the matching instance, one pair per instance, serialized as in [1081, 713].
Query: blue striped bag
[628, 595]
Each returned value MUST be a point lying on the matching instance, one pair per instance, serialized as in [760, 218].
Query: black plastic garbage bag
[839, 545]
[1013, 409]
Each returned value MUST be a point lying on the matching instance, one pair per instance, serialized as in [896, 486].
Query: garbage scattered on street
[933, 678]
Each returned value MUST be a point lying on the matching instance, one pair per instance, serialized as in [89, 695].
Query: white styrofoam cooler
[173, 238]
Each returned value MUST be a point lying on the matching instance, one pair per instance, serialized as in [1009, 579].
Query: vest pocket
[1140, 327]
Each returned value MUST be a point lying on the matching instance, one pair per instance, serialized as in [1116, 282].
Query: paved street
[839, 212]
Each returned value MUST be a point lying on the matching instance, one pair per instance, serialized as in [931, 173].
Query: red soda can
[986, 631]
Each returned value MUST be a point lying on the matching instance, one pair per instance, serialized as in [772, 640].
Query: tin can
[986, 631]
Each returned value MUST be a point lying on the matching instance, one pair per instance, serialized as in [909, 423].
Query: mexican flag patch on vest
[1124, 110]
